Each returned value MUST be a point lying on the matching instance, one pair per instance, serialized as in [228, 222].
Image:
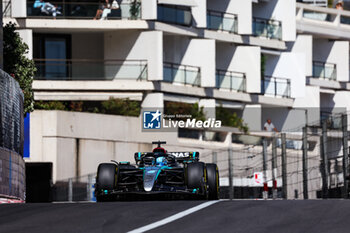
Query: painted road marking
[173, 217]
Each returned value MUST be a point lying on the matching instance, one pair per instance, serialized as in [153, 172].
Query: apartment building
[276, 59]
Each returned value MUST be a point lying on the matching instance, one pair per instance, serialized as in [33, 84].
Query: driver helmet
[161, 161]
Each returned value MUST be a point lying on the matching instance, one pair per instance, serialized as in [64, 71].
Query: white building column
[27, 37]
[208, 107]
[19, 9]
[149, 9]
[252, 117]
[153, 101]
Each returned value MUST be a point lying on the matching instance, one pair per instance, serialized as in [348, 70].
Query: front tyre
[105, 180]
[196, 177]
[213, 181]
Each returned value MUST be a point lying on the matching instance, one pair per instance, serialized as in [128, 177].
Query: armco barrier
[12, 169]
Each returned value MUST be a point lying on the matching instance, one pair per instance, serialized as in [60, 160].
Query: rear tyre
[196, 177]
[213, 181]
[105, 180]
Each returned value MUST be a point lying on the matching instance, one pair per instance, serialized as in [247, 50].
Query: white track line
[173, 217]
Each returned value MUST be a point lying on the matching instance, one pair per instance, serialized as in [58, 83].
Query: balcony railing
[6, 8]
[275, 86]
[84, 10]
[221, 21]
[331, 16]
[174, 15]
[79, 69]
[230, 80]
[176, 73]
[268, 28]
[324, 70]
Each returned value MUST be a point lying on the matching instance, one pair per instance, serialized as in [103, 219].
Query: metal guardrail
[230, 80]
[85, 69]
[271, 29]
[178, 73]
[75, 189]
[324, 70]
[174, 15]
[275, 86]
[222, 21]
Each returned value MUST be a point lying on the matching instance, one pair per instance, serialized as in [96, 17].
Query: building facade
[278, 59]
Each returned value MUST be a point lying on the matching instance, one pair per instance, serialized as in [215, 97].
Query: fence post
[345, 155]
[88, 188]
[324, 160]
[230, 173]
[70, 190]
[305, 164]
[266, 189]
[274, 167]
[214, 157]
[284, 166]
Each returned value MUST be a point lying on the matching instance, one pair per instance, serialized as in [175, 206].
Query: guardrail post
[230, 173]
[214, 157]
[284, 166]
[305, 165]
[274, 168]
[266, 188]
[70, 189]
[345, 155]
[324, 156]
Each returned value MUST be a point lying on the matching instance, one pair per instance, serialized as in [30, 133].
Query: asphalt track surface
[224, 216]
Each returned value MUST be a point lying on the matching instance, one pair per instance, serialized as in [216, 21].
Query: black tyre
[106, 176]
[196, 177]
[213, 181]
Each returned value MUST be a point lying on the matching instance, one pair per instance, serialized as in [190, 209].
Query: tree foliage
[230, 119]
[18, 65]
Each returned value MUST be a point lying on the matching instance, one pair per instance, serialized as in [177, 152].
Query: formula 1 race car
[158, 173]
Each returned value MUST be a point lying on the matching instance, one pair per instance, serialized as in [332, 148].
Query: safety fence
[12, 171]
[75, 189]
[306, 163]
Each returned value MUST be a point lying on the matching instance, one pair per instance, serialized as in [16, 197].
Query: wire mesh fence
[304, 163]
[74, 189]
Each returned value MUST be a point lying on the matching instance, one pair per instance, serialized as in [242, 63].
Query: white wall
[281, 10]
[311, 102]
[303, 44]
[27, 37]
[193, 52]
[19, 9]
[137, 45]
[149, 9]
[244, 59]
[199, 14]
[336, 52]
[243, 10]
[290, 66]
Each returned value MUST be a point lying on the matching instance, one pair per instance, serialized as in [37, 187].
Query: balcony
[174, 15]
[268, 28]
[221, 21]
[230, 80]
[93, 70]
[275, 86]
[176, 73]
[84, 10]
[323, 21]
[324, 70]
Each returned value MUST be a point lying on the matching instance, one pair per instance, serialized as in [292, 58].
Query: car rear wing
[185, 156]
[179, 156]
